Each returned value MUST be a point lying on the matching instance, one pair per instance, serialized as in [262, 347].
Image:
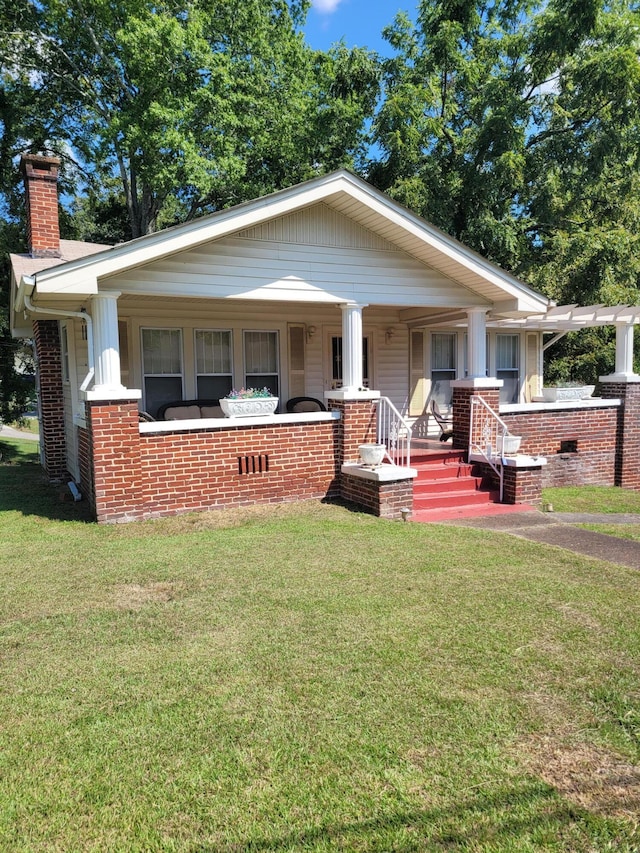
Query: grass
[598, 499]
[306, 678]
[605, 499]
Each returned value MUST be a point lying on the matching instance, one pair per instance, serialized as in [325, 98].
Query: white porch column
[477, 343]
[624, 349]
[106, 346]
[352, 346]
[624, 353]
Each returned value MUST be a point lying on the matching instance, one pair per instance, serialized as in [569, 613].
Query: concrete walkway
[10, 432]
[556, 528]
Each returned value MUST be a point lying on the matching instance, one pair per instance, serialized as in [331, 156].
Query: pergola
[568, 318]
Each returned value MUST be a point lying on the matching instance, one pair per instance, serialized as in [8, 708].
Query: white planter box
[509, 445]
[372, 454]
[249, 406]
[556, 395]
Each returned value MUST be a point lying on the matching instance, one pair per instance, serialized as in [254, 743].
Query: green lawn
[598, 499]
[306, 678]
[606, 499]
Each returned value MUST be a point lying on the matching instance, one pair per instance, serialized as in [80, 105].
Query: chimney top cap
[42, 162]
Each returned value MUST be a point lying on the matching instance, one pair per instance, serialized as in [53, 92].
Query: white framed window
[214, 363]
[443, 366]
[161, 367]
[508, 366]
[261, 362]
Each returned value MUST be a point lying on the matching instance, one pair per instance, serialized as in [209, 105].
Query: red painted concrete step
[446, 489]
[445, 480]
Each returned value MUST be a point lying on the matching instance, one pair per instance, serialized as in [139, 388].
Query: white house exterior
[329, 290]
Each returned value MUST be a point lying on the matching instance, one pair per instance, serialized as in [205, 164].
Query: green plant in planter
[248, 394]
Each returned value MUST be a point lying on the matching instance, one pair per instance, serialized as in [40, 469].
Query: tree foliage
[515, 127]
[192, 105]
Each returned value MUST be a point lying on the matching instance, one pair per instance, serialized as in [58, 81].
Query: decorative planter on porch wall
[246, 407]
[568, 392]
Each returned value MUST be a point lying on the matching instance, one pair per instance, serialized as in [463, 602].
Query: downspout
[30, 308]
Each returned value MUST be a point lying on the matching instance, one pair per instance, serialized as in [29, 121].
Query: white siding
[389, 360]
[316, 255]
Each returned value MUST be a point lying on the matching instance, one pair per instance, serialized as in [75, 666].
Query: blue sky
[359, 22]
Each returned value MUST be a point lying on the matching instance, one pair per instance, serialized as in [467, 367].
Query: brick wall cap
[106, 395]
[228, 423]
[346, 394]
[478, 382]
[383, 474]
[629, 378]
[522, 460]
[564, 405]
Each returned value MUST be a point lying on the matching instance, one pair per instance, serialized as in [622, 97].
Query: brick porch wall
[595, 432]
[461, 402]
[52, 435]
[129, 475]
[627, 463]
[358, 419]
[117, 491]
[239, 466]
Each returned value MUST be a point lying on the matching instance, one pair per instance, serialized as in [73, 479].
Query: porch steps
[447, 488]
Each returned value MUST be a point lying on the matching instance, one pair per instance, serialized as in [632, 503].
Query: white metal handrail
[394, 432]
[487, 433]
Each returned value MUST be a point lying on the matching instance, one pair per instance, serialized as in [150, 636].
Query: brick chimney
[41, 192]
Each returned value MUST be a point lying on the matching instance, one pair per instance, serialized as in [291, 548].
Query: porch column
[624, 349]
[352, 346]
[477, 343]
[106, 346]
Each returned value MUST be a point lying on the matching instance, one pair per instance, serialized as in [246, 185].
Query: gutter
[25, 291]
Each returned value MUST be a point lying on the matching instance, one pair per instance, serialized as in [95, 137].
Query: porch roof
[342, 191]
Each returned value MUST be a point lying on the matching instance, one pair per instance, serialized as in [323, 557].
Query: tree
[193, 105]
[515, 128]
[162, 111]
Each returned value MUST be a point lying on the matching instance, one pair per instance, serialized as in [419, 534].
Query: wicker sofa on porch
[181, 410]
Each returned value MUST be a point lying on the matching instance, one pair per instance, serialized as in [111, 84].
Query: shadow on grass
[24, 488]
[521, 813]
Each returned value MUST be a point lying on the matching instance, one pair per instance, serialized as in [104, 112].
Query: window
[443, 366]
[507, 366]
[336, 362]
[162, 367]
[261, 361]
[214, 374]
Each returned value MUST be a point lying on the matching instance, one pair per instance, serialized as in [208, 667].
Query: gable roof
[341, 190]
[70, 250]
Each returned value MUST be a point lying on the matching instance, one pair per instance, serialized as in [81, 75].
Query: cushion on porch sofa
[180, 410]
[211, 411]
[181, 413]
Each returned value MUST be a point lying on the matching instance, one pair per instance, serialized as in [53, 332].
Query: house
[329, 290]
